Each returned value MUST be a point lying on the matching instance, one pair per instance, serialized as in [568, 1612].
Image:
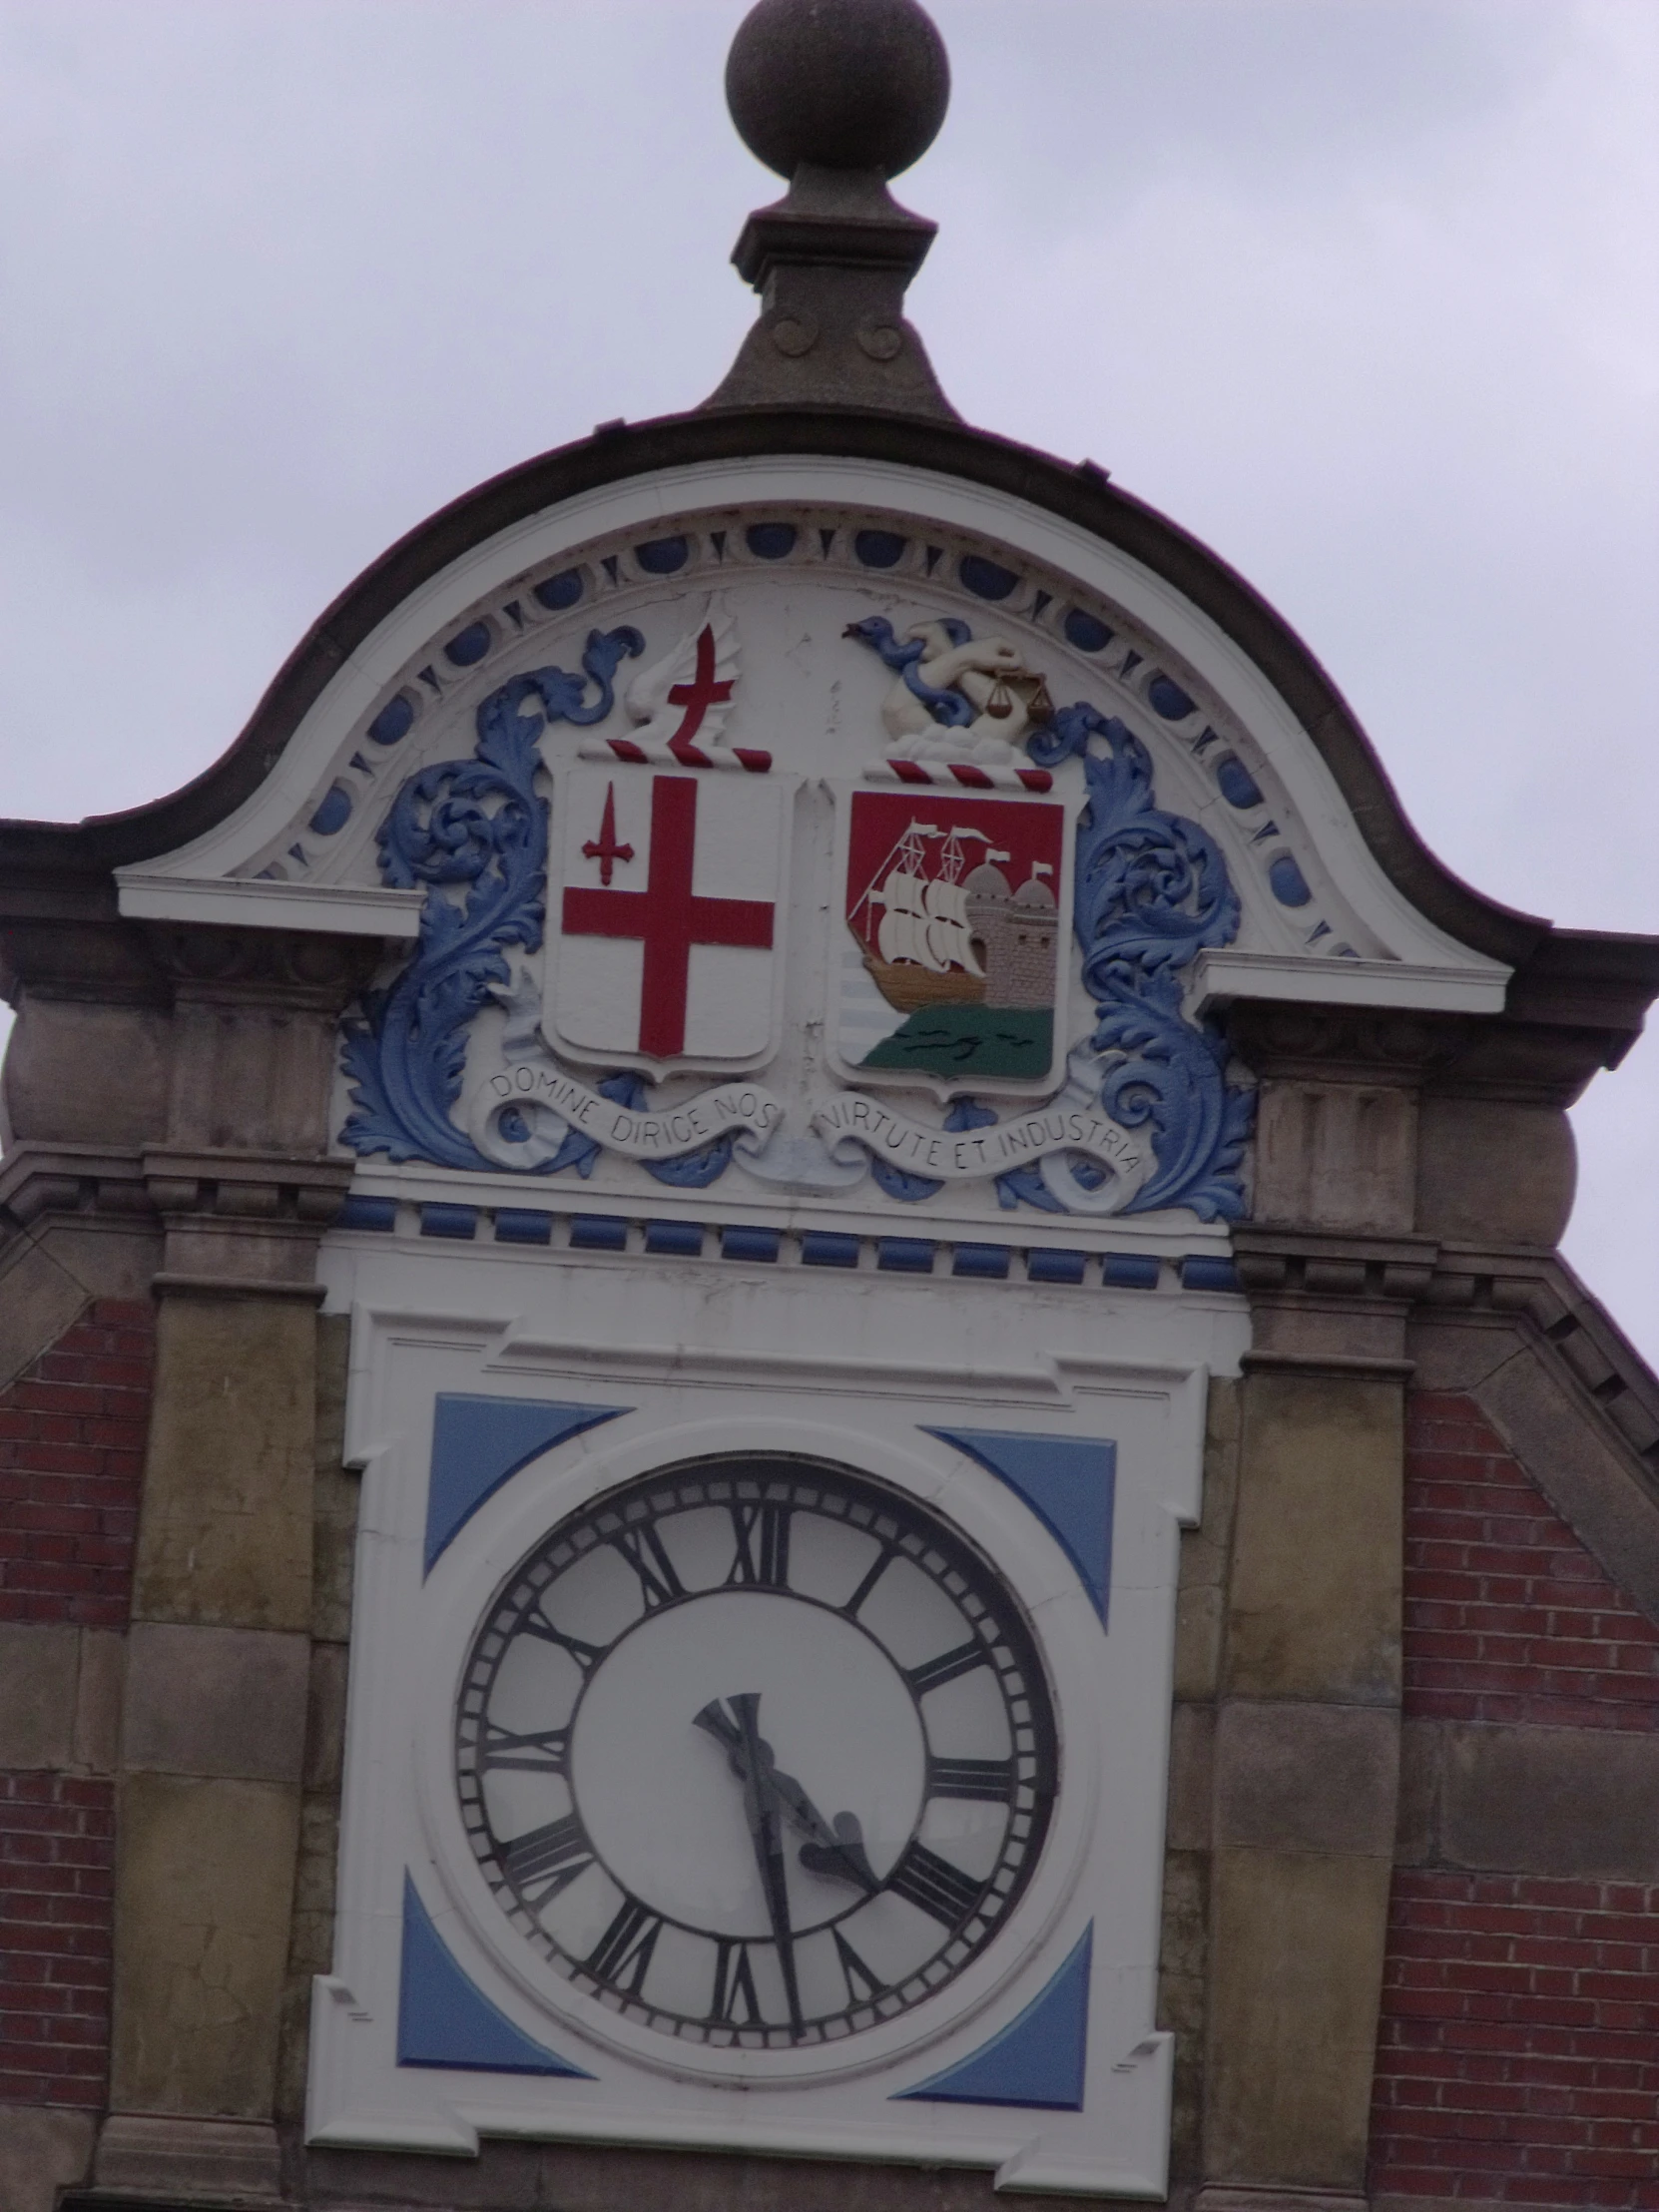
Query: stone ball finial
[839, 84]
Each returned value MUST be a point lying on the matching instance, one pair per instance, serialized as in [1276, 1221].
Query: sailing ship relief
[953, 958]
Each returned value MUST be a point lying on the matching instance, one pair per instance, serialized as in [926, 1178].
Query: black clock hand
[834, 1847]
[752, 1759]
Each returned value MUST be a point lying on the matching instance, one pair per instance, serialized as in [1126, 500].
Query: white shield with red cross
[666, 917]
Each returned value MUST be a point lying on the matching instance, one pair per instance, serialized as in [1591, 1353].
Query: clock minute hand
[762, 1804]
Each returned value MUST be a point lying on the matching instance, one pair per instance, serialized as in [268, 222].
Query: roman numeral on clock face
[622, 1955]
[587, 1656]
[735, 2003]
[990, 1779]
[762, 1531]
[934, 1886]
[861, 1982]
[946, 1667]
[543, 1750]
[646, 1553]
[697, 1744]
[879, 1568]
[549, 1859]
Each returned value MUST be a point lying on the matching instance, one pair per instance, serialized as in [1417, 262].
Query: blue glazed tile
[367, 1213]
[1238, 787]
[449, 1221]
[1069, 1483]
[771, 541]
[682, 1237]
[518, 1226]
[1087, 632]
[598, 1233]
[445, 2020]
[878, 548]
[985, 579]
[478, 1443]
[1039, 2060]
[558, 592]
[1046, 1265]
[977, 1259]
[1290, 886]
[333, 812]
[750, 1244]
[824, 1248]
[661, 556]
[1129, 1271]
[468, 647]
[1167, 698]
[1200, 1271]
[906, 1254]
[392, 724]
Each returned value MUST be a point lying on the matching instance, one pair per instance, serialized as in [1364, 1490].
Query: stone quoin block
[202, 1930]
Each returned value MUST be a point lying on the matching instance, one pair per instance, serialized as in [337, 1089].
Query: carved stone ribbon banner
[960, 1156]
[667, 1133]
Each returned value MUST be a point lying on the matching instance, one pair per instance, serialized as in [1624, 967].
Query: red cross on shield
[666, 930]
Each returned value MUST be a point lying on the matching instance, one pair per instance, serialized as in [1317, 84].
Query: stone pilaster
[1307, 1719]
[214, 1745]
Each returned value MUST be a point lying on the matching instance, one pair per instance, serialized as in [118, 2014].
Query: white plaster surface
[851, 1369]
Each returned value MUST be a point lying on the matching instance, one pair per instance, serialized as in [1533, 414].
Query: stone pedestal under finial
[838, 95]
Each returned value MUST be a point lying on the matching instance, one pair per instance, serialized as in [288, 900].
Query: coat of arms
[950, 966]
[666, 930]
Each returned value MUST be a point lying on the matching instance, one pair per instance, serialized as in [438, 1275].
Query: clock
[756, 1752]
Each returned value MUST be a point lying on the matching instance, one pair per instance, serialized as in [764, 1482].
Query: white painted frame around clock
[733, 1355]
[492, 1549]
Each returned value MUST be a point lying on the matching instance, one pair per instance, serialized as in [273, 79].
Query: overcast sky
[1365, 292]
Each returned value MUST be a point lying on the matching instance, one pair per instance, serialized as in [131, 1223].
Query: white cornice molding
[241, 902]
[1222, 977]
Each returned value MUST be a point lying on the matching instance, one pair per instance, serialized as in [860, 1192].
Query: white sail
[948, 926]
[903, 937]
[904, 894]
[904, 931]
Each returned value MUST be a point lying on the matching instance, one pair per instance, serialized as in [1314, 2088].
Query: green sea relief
[1007, 1041]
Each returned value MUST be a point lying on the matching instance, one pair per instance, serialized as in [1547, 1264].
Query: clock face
[756, 1751]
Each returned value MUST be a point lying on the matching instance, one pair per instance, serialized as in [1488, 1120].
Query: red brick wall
[72, 1430]
[72, 1433]
[1519, 2053]
[57, 1885]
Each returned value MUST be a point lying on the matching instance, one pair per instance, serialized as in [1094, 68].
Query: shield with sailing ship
[952, 962]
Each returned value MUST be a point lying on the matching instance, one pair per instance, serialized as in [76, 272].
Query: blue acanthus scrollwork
[1151, 892]
[477, 826]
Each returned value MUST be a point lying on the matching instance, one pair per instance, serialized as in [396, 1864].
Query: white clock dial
[755, 1751]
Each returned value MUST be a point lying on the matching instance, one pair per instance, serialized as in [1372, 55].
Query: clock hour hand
[751, 1761]
[834, 1847]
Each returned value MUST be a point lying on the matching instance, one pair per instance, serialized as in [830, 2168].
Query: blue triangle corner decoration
[1068, 1483]
[480, 1442]
[443, 2019]
[1040, 2059]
